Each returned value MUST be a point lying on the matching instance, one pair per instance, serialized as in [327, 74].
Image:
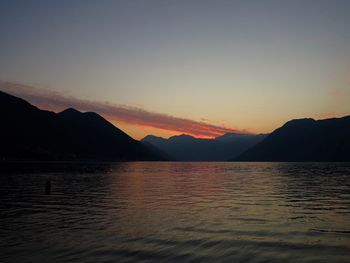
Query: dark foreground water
[176, 212]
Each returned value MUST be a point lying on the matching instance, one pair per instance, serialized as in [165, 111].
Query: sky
[167, 67]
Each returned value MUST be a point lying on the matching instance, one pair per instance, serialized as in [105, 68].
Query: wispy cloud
[326, 115]
[116, 113]
[340, 92]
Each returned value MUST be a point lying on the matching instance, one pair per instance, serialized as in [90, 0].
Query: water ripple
[176, 212]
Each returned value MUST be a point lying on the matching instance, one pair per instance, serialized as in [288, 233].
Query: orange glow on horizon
[139, 122]
[138, 132]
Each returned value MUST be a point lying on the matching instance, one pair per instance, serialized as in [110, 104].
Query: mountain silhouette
[187, 148]
[29, 133]
[304, 140]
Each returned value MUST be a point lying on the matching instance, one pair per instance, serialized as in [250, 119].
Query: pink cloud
[339, 92]
[116, 113]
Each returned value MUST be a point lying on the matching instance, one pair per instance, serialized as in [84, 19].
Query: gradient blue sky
[245, 65]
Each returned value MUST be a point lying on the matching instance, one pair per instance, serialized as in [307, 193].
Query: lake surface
[176, 212]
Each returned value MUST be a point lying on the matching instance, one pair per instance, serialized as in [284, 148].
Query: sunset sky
[167, 67]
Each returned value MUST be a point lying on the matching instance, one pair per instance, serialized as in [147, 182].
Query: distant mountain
[304, 140]
[28, 133]
[188, 148]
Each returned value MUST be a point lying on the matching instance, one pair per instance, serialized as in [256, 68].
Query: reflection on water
[171, 212]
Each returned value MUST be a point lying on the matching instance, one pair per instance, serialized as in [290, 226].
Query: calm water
[177, 212]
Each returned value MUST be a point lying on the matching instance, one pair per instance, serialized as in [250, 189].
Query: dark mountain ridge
[304, 140]
[28, 133]
[187, 148]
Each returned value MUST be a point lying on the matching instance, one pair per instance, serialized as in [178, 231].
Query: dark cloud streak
[116, 113]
